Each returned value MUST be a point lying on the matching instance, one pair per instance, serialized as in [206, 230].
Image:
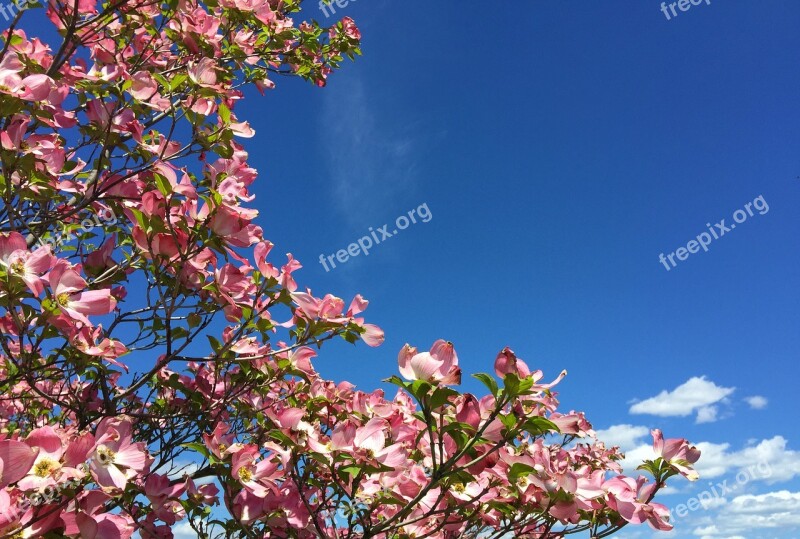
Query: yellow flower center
[105, 455]
[18, 266]
[245, 475]
[44, 467]
[63, 298]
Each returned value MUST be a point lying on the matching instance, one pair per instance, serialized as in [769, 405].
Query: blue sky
[561, 148]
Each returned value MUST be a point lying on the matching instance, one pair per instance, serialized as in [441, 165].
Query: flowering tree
[156, 366]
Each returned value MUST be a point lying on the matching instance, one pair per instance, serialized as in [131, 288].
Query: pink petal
[93, 302]
[17, 459]
[425, 366]
[10, 243]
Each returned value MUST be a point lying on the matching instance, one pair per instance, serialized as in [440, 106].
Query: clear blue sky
[561, 147]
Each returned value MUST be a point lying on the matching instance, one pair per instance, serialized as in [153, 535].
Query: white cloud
[714, 460]
[694, 395]
[757, 402]
[625, 436]
[183, 530]
[769, 460]
[706, 414]
[749, 514]
[712, 503]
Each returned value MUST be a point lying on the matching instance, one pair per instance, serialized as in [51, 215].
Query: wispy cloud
[370, 161]
[757, 402]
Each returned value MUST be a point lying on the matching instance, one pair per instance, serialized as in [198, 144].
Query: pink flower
[164, 496]
[105, 525]
[629, 498]
[203, 494]
[92, 341]
[12, 136]
[242, 129]
[115, 458]
[100, 259]
[70, 293]
[260, 252]
[438, 365]
[47, 466]
[203, 73]
[259, 478]
[37, 87]
[143, 87]
[370, 440]
[28, 266]
[10, 68]
[219, 441]
[468, 411]
[507, 363]
[350, 28]
[677, 453]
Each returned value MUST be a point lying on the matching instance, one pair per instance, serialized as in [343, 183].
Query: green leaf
[215, 344]
[512, 384]
[441, 396]
[179, 333]
[351, 470]
[508, 420]
[397, 381]
[163, 185]
[193, 320]
[420, 388]
[518, 469]
[537, 426]
[196, 446]
[177, 80]
[460, 438]
[224, 113]
[489, 381]
[524, 385]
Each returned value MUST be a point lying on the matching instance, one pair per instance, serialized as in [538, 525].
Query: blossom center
[44, 467]
[245, 475]
[105, 455]
[63, 299]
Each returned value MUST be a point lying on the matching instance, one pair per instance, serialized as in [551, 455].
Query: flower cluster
[431, 462]
[195, 399]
